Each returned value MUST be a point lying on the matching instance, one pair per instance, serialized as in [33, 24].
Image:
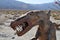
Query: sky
[36, 1]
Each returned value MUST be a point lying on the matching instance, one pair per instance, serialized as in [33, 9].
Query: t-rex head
[25, 23]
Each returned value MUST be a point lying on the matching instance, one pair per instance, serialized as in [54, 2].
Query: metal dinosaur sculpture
[46, 29]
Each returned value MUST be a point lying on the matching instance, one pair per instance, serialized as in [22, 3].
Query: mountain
[12, 4]
[47, 6]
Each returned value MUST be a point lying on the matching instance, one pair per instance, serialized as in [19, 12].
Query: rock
[13, 37]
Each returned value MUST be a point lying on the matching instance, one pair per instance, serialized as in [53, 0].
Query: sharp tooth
[17, 28]
[20, 27]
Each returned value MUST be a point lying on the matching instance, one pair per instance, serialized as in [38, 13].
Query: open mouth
[21, 27]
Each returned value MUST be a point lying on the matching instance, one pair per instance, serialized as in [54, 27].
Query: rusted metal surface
[46, 29]
[57, 26]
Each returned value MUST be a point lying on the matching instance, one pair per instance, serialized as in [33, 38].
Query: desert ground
[7, 33]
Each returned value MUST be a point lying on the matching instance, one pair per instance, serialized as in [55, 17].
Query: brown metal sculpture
[57, 26]
[46, 29]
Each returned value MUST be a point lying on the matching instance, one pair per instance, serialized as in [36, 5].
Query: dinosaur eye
[30, 14]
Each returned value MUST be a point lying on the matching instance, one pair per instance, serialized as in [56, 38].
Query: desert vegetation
[54, 13]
